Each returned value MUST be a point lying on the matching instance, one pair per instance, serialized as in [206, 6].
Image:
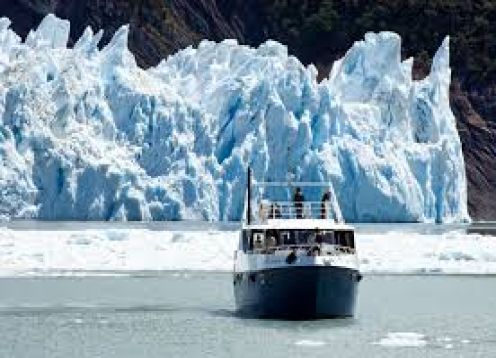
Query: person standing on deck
[298, 199]
[326, 199]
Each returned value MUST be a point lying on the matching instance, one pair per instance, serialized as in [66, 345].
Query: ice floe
[119, 250]
[402, 339]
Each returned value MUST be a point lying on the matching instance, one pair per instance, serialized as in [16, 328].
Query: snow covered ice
[122, 250]
[86, 134]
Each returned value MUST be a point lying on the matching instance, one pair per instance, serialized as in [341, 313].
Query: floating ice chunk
[402, 339]
[79, 240]
[310, 343]
[114, 250]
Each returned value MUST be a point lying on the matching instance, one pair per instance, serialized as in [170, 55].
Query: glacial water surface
[179, 314]
[93, 290]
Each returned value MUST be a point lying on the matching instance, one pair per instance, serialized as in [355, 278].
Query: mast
[248, 197]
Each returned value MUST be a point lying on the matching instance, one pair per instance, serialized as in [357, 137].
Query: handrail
[286, 202]
[292, 184]
[294, 210]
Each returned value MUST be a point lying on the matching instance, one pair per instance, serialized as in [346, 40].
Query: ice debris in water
[402, 339]
[310, 343]
[72, 251]
[86, 134]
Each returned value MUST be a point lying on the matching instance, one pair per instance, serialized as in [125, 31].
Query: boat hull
[298, 292]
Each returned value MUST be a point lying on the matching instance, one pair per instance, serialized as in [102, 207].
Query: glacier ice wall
[86, 134]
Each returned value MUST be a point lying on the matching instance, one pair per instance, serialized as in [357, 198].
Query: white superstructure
[279, 234]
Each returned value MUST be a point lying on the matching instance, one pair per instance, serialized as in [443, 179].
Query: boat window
[328, 237]
[271, 239]
[258, 241]
[337, 238]
[344, 238]
[245, 245]
[341, 238]
[308, 237]
[350, 239]
[302, 237]
[287, 238]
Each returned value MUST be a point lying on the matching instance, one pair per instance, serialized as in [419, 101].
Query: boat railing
[294, 210]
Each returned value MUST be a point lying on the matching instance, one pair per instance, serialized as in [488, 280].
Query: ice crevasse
[87, 134]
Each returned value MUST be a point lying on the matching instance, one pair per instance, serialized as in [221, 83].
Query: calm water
[191, 315]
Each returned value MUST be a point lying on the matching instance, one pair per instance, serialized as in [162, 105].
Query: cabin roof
[298, 224]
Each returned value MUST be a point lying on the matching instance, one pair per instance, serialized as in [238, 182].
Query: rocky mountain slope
[318, 32]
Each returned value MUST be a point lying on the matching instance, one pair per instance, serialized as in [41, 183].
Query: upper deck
[285, 205]
[279, 233]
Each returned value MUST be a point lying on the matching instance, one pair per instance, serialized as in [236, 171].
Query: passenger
[314, 251]
[298, 203]
[319, 238]
[272, 211]
[326, 198]
[274, 234]
[261, 212]
[275, 211]
[258, 243]
[301, 237]
[288, 238]
[292, 257]
[272, 242]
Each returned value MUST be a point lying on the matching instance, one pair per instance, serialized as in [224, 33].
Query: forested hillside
[320, 31]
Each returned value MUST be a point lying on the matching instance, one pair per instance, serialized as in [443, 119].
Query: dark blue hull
[298, 292]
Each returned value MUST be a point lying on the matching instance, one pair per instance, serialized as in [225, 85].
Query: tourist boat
[294, 261]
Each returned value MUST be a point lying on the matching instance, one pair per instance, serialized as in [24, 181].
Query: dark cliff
[318, 31]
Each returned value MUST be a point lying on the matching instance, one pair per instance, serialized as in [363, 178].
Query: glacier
[86, 134]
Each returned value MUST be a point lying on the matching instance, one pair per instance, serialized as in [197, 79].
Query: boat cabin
[268, 239]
